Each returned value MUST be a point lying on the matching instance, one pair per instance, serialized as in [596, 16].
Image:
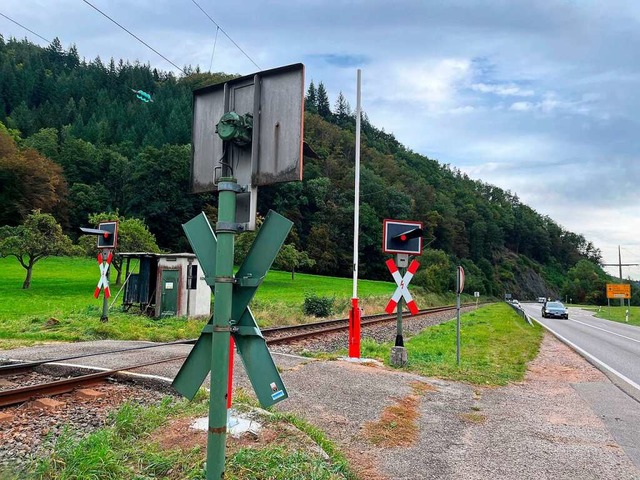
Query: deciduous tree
[38, 237]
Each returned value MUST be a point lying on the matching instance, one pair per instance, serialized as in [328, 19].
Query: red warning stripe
[391, 307]
[392, 266]
[96, 294]
[413, 267]
[413, 308]
[107, 292]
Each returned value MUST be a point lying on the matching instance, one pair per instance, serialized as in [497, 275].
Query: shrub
[318, 306]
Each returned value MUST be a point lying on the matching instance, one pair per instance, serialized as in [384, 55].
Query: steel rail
[24, 394]
[17, 368]
[329, 326]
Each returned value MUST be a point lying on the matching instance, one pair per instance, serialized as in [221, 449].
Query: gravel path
[538, 429]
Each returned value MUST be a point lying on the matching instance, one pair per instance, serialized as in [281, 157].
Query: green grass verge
[60, 306]
[126, 449]
[616, 313]
[496, 345]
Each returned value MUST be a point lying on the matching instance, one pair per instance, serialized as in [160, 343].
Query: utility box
[165, 285]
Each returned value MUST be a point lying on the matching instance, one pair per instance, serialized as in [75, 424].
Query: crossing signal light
[107, 233]
[402, 237]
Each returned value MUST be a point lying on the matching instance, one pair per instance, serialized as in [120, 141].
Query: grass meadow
[60, 305]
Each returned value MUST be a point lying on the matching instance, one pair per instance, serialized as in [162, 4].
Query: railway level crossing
[107, 241]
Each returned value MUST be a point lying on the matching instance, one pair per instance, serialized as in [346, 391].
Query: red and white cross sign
[403, 283]
[104, 269]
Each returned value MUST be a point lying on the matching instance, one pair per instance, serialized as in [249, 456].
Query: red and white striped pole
[354, 314]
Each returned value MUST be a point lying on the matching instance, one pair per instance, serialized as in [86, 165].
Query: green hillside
[111, 151]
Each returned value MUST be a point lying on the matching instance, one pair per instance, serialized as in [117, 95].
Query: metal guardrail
[520, 311]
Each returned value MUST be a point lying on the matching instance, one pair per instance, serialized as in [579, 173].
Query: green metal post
[217, 435]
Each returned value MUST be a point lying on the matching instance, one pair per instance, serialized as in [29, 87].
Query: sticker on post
[277, 395]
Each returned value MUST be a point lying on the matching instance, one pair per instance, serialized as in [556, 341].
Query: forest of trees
[75, 141]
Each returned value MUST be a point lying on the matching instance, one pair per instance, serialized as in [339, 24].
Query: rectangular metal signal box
[110, 239]
[275, 100]
[401, 236]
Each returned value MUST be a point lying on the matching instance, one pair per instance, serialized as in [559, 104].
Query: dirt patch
[420, 388]
[397, 425]
[473, 417]
[178, 435]
[558, 363]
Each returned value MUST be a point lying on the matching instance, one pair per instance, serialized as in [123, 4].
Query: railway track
[286, 334]
[273, 336]
[58, 387]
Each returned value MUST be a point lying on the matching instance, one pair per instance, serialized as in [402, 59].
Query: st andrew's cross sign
[251, 345]
[403, 283]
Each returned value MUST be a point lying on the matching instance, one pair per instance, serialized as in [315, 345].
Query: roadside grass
[496, 345]
[60, 306]
[128, 448]
[616, 313]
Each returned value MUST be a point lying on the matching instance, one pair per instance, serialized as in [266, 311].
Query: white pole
[356, 208]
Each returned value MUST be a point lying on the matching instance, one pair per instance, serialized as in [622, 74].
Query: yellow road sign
[618, 290]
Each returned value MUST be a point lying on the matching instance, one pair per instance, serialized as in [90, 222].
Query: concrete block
[88, 393]
[398, 356]
[47, 403]
[6, 417]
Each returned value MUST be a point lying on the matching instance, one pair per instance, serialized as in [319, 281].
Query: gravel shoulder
[539, 428]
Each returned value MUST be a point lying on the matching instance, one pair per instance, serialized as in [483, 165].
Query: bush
[318, 306]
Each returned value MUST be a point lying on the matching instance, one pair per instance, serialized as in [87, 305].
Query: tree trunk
[27, 281]
[293, 271]
[119, 275]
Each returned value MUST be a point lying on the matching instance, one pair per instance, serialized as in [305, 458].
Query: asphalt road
[613, 346]
[615, 349]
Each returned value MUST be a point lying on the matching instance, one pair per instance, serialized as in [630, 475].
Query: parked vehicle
[554, 310]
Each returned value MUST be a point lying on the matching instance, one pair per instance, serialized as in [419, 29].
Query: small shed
[165, 284]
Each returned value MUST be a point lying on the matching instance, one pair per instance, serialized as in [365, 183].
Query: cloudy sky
[538, 97]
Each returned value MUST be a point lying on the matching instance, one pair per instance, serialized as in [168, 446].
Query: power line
[225, 33]
[134, 36]
[214, 48]
[27, 29]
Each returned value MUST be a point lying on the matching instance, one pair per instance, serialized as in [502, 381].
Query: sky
[538, 97]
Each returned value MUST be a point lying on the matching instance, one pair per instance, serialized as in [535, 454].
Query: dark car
[554, 310]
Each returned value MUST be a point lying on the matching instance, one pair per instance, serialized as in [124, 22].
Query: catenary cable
[225, 33]
[27, 29]
[134, 36]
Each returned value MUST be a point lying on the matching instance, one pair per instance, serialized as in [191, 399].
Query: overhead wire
[225, 33]
[215, 40]
[27, 29]
[134, 36]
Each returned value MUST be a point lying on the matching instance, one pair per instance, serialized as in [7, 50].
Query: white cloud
[433, 83]
[522, 106]
[510, 89]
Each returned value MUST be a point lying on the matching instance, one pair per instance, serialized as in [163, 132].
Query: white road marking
[605, 330]
[594, 359]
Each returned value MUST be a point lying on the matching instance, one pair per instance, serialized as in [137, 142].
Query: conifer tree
[324, 108]
[311, 100]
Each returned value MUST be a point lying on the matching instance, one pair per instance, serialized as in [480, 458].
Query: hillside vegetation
[78, 126]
